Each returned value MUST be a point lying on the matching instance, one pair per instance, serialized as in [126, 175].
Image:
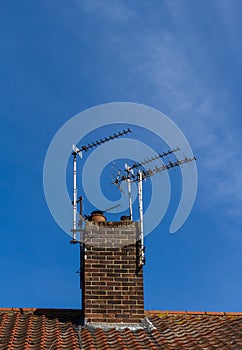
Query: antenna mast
[74, 197]
[74, 153]
[128, 169]
[140, 192]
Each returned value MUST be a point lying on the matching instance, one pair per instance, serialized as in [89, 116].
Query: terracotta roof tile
[32, 329]
[40, 329]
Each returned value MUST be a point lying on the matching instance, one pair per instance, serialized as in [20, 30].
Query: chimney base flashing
[119, 326]
[145, 324]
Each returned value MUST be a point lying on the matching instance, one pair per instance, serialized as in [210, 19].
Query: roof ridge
[211, 313]
[29, 309]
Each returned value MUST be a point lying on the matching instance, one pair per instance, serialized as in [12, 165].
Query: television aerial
[135, 173]
[79, 152]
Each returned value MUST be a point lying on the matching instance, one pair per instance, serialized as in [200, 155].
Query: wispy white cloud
[184, 75]
[116, 11]
[231, 15]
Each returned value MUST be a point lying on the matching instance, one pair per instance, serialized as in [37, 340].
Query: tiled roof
[22, 329]
[33, 329]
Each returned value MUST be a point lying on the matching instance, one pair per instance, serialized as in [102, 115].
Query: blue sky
[183, 58]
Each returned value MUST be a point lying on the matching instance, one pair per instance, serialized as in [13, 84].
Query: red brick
[112, 285]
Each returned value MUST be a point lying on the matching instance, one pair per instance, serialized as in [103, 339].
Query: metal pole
[127, 168]
[74, 197]
[130, 199]
[140, 190]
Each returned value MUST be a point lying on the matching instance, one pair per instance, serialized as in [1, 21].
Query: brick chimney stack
[112, 280]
